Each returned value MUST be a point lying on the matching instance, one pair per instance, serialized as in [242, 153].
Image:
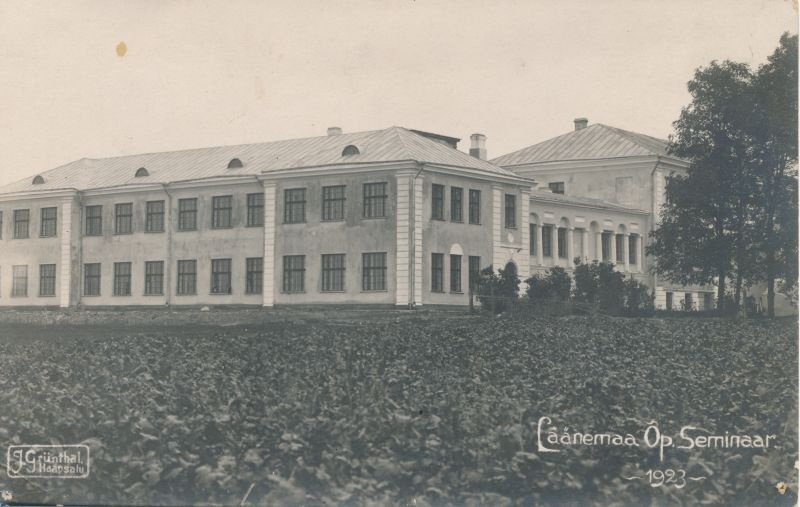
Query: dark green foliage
[554, 286]
[497, 291]
[597, 283]
[639, 300]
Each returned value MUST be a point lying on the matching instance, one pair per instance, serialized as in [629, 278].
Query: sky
[211, 73]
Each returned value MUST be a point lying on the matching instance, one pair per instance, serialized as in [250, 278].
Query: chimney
[478, 147]
[580, 123]
[334, 131]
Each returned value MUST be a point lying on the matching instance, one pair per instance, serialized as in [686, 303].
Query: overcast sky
[201, 74]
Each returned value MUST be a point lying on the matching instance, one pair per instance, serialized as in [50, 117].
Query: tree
[495, 291]
[554, 286]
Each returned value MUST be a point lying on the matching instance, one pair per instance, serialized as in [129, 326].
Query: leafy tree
[639, 300]
[554, 286]
[598, 283]
[496, 291]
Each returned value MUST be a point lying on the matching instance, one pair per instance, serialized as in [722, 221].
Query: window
[333, 203]
[255, 210]
[141, 172]
[235, 163]
[220, 276]
[153, 278]
[562, 243]
[47, 279]
[375, 200]
[19, 281]
[294, 206]
[632, 249]
[187, 214]
[254, 276]
[475, 206]
[455, 273]
[557, 187]
[669, 301]
[294, 273]
[350, 150]
[187, 278]
[437, 202]
[154, 216]
[38, 180]
[21, 221]
[456, 204]
[474, 270]
[332, 272]
[122, 278]
[620, 246]
[532, 233]
[94, 220]
[606, 246]
[221, 211]
[511, 211]
[708, 304]
[688, 302]
[123, 218]
[373, 271]
[437, 272]
[547, 240]
[91, 279]
[47, 228]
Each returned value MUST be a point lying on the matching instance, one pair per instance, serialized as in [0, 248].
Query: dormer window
[38, 180]
[141, 172]
[235, 163]
[350, 150]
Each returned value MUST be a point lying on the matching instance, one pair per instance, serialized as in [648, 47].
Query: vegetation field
[395, 408]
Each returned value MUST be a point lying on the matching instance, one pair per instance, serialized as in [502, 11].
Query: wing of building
[392, 216]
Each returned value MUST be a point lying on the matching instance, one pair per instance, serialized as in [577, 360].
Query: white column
[625, 256]
[497, 224]
[403, 276]
[525, 219]
[570, 246]
[269, 244]
[418, 241]
[585, 242]
[640, 246]
[598, 251]
[539, 258]
[613, 249]
[65, 275]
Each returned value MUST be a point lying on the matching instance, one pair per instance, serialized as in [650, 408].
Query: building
[394, 216]
[391, 216]
[599, 194]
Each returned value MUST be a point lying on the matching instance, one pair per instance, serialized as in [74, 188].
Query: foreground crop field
[400, 409]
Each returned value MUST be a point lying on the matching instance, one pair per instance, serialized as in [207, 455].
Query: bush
[554, 286]
[598, 284]
[496, 292]
[638, 299]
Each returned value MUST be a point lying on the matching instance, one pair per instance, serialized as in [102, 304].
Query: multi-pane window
[547, 240]
[456, 204]
[154, 216]
[187, 214]
[22, 219]
[333, 203]
[122, 278]
[605, 244]
[187, 278]
[294, 206]
[47, 279]
[532, 233]
[94, 220]
[254, 275]
[123, 218]
[437, 202]
[255, 210]
[375, 197]
[669, 301]
[511, 211]
[153, 278]
[373, 276]
[620, 242]
[91, 279]
[221, 211]
[707, 303]
[562, 243]
[48, 225]
[220, 276]
[474, 270]
[19, 281]
[332, 272]
[437, 272]
[474, 206]
[557, 187]
[632, 256]
[294, 273]
[455, 273]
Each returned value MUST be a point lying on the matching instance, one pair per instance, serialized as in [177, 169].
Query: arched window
[235, 163]
[350, 150]
[38, 180]
[141, 172]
